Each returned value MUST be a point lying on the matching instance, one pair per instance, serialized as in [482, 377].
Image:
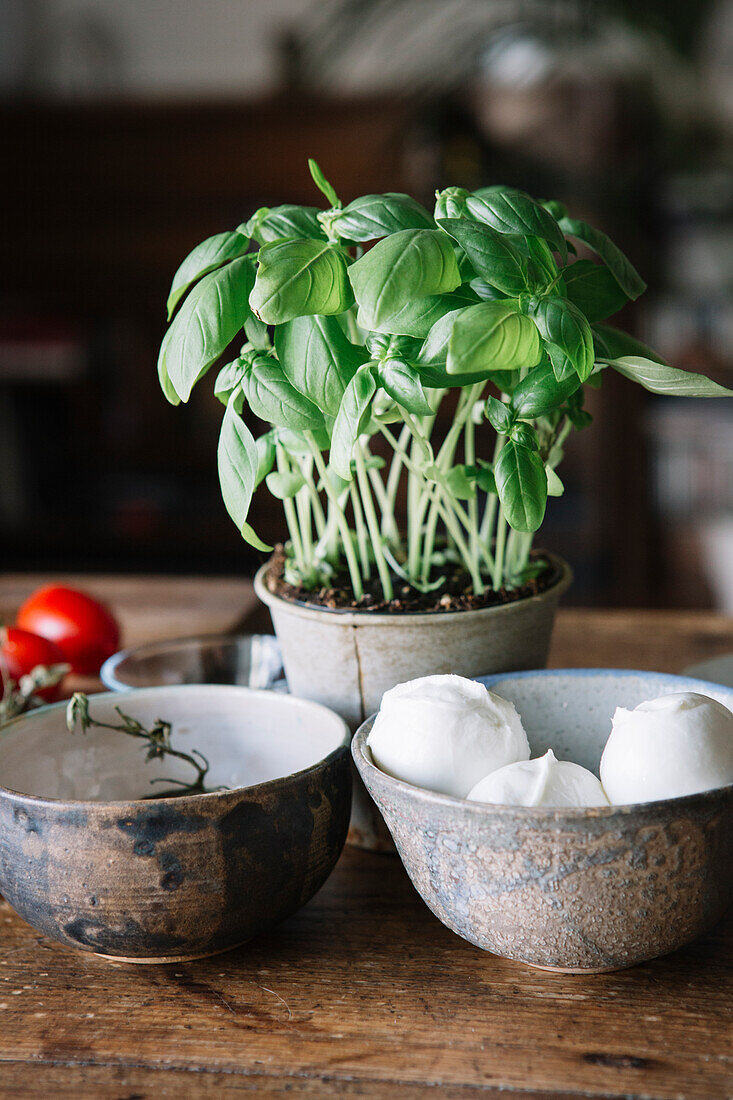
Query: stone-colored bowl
[573, 890]
[90, 859]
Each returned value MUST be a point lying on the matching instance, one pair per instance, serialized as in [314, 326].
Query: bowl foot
[164, 960]
[576, 969]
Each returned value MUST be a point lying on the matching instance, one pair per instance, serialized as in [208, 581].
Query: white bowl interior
[570, 712]
[247, 736]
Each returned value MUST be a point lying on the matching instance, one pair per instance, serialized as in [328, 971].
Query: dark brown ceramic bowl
[574, 890]
[88, 859]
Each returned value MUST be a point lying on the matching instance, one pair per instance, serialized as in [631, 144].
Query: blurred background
[132, 130]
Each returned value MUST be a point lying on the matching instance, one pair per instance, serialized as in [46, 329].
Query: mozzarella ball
[675, 745]
[444, 733]
[542, 782]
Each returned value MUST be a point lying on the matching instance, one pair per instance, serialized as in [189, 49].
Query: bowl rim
[360, 749]
[186, 800]
[107, 671]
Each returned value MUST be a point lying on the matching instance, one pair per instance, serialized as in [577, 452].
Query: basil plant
[482, 303]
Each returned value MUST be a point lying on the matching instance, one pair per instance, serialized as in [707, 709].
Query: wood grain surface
[364, 993]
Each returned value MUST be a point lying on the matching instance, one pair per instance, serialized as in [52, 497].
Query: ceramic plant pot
[576, 890]
[347, 660]
[88, 858]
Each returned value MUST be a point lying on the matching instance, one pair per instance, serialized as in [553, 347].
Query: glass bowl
[250, 660]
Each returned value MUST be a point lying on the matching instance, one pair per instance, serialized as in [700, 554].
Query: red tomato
[22, 651]
[85, 631]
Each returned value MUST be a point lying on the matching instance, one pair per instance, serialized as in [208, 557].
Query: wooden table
[364, 993]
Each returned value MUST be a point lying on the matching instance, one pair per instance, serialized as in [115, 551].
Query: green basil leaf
[659, 378]
[483, 475]
[373, 216]
[499, 416]
[229, 379]
[350, 421]
[521, 483]
[613, 343]
[539, 392]
[284, 485]
[576, 414]
[209, 319]
[433, 356]
[322, 183]
[579, 418]
[486, 292]
[623, 271]
[398, 347]
[459, 483]
[567, 336]
[318, 359]
[492, 336]
[555, 487]
[542, 267]
[402, 383]
[238, 463]
[465, 267]
[492, 254]
[418, 316]
[377, 344]
[249, 535]
[593, 290]
[504, 380]
[257, 333]
[165, 383]
[266, 454]
[285, 222]
[450, 203]
[273, 399]
[434, 351]
[562, 365]
[555, 208]
[212, 253]
[296, 278]
[511, 211]
[525, 435]
[407, 265]
[295, 443]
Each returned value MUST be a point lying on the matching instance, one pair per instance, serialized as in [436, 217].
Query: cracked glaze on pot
[347, 660]
[163, 879]
[574, 890]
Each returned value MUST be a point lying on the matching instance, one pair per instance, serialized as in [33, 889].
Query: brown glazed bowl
[575, 890]
[88, 858]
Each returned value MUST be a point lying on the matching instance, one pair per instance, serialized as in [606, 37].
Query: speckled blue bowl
[575, 890]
